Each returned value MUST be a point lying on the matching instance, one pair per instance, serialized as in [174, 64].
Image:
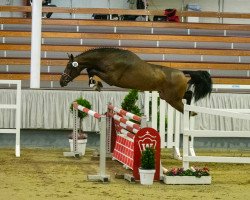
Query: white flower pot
[147, 176]
[81, 145]
[187, 180]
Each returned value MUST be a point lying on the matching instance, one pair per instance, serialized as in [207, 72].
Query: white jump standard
[17, 107]
[188, 132]
[102, 122]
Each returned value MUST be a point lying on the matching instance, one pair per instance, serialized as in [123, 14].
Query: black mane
[104, 49]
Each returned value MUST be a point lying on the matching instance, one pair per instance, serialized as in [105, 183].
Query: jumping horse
[124, 69]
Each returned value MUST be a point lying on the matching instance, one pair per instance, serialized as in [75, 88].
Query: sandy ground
[46, 174]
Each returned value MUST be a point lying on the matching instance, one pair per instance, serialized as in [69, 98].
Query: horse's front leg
[92, 82]
[97, 85]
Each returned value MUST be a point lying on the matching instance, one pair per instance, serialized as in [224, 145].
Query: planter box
[189, 180]
[147, 176]
[81, 145]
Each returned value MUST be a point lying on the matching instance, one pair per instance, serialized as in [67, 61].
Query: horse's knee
[92, 82]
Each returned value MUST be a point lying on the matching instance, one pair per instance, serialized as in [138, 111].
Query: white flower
[192, 169]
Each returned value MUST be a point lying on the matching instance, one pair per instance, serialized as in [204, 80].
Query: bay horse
[123, 68]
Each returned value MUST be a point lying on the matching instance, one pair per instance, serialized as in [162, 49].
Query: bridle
[68, 78]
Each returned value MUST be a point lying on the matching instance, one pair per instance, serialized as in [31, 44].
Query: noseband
[68, 77]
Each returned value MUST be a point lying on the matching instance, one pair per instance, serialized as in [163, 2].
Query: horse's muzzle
[63, 82]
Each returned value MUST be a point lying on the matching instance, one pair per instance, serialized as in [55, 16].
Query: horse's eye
[75, 64]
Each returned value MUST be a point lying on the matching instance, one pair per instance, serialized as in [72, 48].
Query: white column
[36, 44]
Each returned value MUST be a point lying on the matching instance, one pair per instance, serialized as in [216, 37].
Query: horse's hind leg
[188, 96]
[174, 102]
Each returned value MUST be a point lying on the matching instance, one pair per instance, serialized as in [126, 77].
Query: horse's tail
[202, 83]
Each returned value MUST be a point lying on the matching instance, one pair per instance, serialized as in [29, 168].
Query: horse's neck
[89, 61]
[83, 62]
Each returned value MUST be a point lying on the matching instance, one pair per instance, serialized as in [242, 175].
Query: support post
[185, 137]
[102, 175]
[146, 105]
[170, 131]
[162, 125]
[154, 109]
[18, 119]
[177, 153]
[36, 44]
[191, 142]
[75, 151]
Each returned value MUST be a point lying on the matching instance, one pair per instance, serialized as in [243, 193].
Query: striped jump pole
[87, 111]
[115, 115]
[125, 121]
[102, 122]
[130, 129]
[125, 132]
[125, 113]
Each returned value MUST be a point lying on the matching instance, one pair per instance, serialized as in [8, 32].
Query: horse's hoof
[97, 88]
[99, 84]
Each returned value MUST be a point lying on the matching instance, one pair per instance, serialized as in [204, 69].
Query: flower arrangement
[198, 172]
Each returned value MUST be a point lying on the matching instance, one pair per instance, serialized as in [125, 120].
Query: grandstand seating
[223, 49]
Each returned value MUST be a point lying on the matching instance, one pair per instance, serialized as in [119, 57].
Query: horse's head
[71, 71]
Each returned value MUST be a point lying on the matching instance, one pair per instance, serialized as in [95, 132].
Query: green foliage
[129, 103]
[148, 158]
[83, 102]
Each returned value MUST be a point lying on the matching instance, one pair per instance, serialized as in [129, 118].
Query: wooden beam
[234, 81]
[143, 50]
[108, 11]
[111, 23]
[129, 36]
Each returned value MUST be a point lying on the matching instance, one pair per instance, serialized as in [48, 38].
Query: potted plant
[189, 176]
[147, 169]
[129, 102]
[81, 137]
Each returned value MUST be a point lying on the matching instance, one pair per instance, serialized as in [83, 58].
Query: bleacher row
[223, 49]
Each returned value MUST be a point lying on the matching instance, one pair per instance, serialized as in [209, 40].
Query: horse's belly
[135, 82]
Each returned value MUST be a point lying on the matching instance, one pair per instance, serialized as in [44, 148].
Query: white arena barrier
[17, 107]
[173, 121]
[188, 132]
[175, 118]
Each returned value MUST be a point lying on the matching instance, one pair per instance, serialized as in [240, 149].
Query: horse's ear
[71, 57]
